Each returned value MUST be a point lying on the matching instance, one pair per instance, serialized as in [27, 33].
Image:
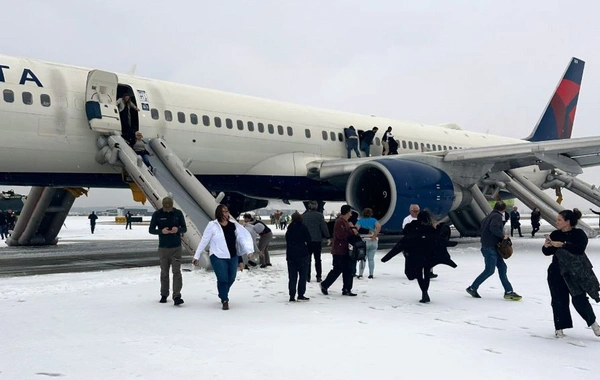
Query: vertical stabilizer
[557, 120]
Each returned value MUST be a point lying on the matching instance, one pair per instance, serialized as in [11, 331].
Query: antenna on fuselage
[132, 70]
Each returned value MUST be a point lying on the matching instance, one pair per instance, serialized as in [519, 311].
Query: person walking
[491, 234]
[570, 273]
[423, 248]
[169, 224]
[317, 227]
[342, 263]
[93, 217]
[371, 240]
[227, 241]
[385, 141]
[535, 221]
[264, 240]
[515, 221]
[128, 220]
[297, 239]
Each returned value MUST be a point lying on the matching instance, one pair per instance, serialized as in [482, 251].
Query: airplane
[245, 150]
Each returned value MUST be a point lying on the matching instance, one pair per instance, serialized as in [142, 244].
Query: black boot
[425, 298]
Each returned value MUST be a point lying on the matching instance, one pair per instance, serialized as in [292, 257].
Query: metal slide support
[579, 187]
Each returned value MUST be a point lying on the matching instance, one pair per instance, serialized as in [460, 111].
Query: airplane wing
[570, 155]
[469, 165]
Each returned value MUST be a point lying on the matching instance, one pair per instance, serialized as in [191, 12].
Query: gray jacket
[315, 222]
[492, 229]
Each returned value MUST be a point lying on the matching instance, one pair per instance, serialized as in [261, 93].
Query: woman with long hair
[228, 240]
[570, 273]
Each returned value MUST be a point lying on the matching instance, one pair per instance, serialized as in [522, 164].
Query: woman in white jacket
[227, 240]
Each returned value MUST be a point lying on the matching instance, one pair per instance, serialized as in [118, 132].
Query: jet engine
[390, 186]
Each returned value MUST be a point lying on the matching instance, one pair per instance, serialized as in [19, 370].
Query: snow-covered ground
[109, 325]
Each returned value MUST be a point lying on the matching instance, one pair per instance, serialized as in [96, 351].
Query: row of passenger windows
[27, 97]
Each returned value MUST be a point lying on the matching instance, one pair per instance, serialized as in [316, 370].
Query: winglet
[557, 120]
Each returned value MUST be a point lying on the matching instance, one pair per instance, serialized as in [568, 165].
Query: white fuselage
[36, 138]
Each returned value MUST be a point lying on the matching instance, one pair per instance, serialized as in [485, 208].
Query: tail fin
[557, 121]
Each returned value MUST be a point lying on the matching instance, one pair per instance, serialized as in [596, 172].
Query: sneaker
[432, 275]
[252, 263]
[348, 293]
[473, 292]
[596, 328]
[324, 290]
[559, 334]
[163, 299]
[302, 298]
[359, 276]
[292, 299]
[177, 301]
[370, 276]
[319, 279]
[512, 296]
[225, 305]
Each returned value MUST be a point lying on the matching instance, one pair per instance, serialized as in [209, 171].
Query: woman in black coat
[570, 273]
[423, 248]
[297, 239]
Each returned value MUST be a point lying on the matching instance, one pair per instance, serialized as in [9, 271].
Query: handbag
[505, 249]
[358, 249]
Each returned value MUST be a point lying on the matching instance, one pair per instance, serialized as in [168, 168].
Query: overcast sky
[486, 66]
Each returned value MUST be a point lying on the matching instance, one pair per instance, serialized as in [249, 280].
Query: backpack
[358, 247]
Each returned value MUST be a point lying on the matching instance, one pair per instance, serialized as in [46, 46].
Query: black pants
[297, 271]
[92, 227]
[314, 249]
[515, 227]
[344, 265]
[424, 279]
[128, 224]
[560, 301]
[535, 228]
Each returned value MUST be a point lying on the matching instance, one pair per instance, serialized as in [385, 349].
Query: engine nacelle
[389, 187]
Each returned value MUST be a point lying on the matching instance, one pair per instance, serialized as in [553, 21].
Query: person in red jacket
[342, 263]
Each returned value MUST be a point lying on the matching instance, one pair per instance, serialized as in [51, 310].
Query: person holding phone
[567, 274]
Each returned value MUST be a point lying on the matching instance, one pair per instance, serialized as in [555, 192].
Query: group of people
[8, 220]
[570, 274]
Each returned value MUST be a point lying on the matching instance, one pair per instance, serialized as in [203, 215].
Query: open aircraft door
[101, 101]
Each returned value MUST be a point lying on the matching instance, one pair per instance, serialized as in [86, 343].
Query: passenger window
[9, 96]
[194, 118]
[154, 113]
[332, 134]
[324, 134]
[27, 98]
[271, 129]
[428, 147]
[261, 127]
[168, 116]
[229, 123]
[240, 125]
[445, 147]
[218, 122]
[410, 146]
[251, 126]
[307, 133]
[340, 137]
[439, 147]
[290, 131]
[206, 120]
[181, 117]
[403, 144]
[416, 145]
[45, 100]
[280, 129]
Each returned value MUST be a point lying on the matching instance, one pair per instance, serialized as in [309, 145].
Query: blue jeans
[365, 148]
[371, 249]
[492, 260]
[225, 270]
[352, 145]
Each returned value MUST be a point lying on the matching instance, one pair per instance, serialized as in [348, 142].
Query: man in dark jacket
[342, 263]
[367, 140]
[169, 224]
[92, 217]
[297, 239]
[315, 222]
[515, 221]
[492, 232]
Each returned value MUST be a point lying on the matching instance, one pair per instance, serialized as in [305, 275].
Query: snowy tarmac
[109, 325]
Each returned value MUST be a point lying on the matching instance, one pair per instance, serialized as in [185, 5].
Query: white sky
[488, 66]
[109, 324]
